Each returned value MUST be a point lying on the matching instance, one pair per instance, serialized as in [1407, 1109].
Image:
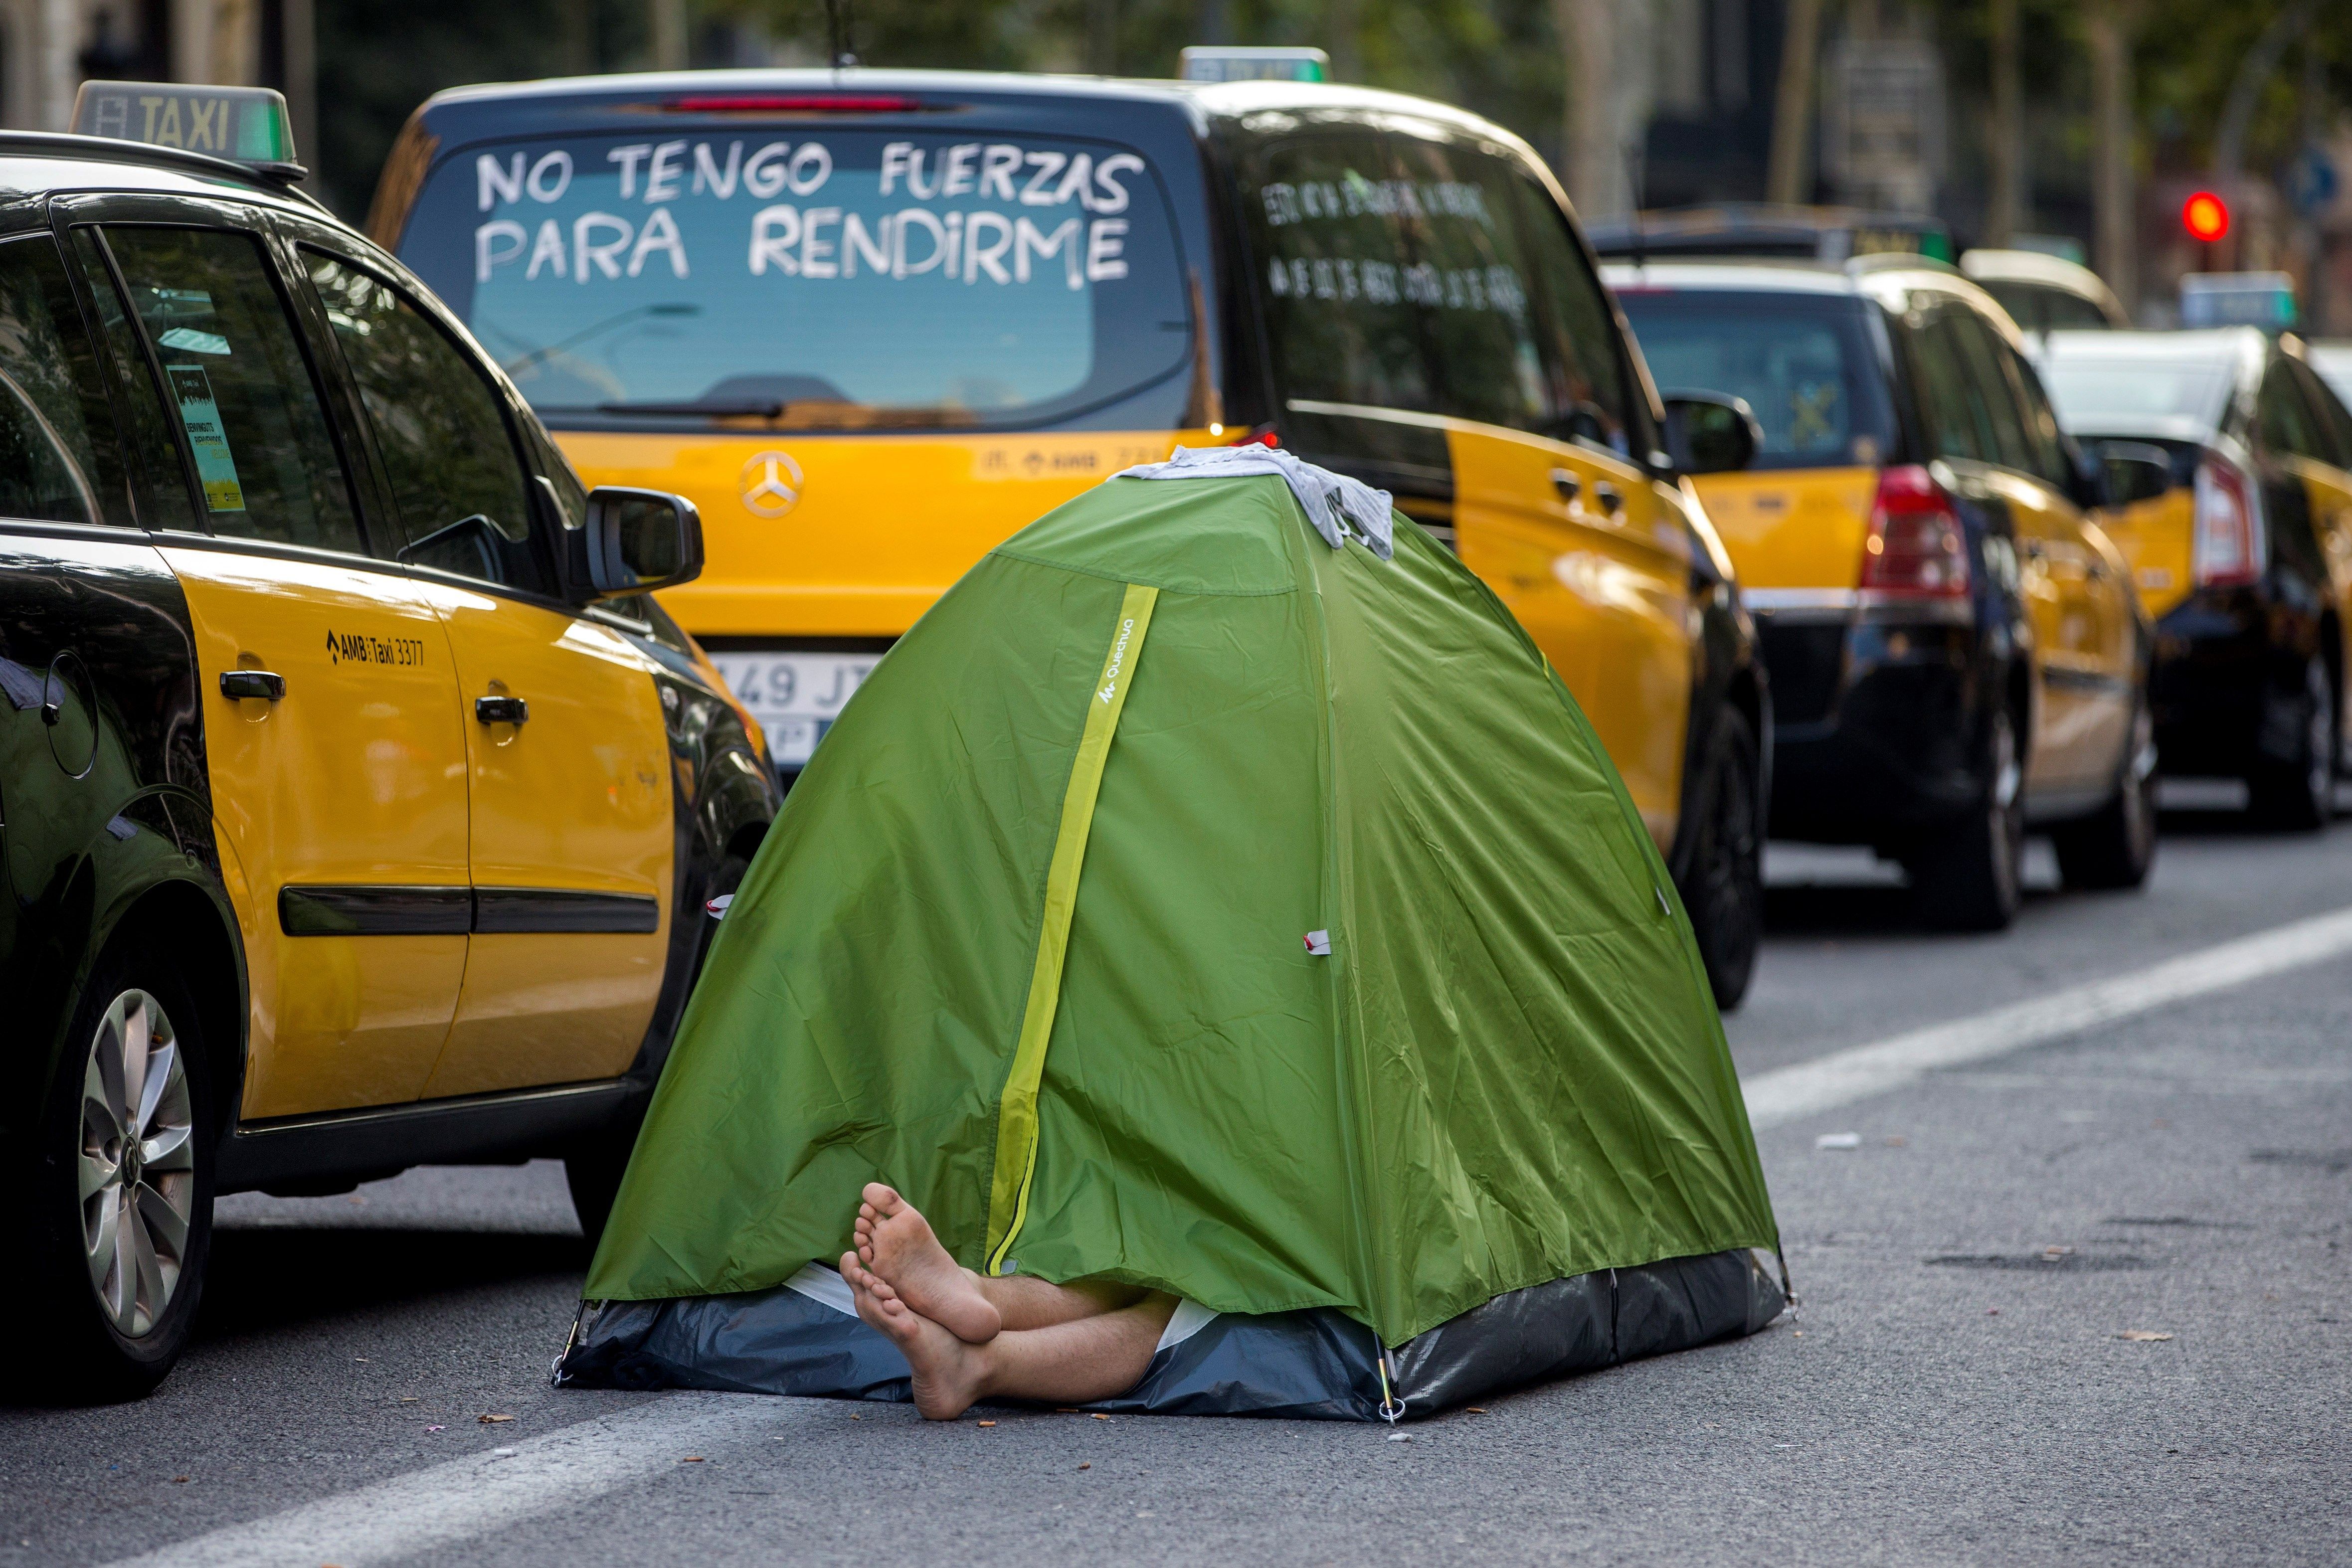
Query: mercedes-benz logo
[771, 484]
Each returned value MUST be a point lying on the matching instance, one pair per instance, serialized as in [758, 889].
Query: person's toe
[884, 1199]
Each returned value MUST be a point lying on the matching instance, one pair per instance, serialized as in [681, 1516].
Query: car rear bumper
[2220, 662]
[1876, 727]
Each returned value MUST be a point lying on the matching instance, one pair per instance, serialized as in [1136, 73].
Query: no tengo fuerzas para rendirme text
[971, 211]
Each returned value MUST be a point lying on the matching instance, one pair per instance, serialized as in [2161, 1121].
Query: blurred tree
[1503, 56]
[2189, 54]
[378, 59]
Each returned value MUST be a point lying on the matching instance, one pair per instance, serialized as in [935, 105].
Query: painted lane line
[435, 1507]
[1788, 1094]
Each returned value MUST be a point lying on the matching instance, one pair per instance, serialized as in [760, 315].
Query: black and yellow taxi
[360, 805]
[2240, 540]
[875, 321]
[1955, 649]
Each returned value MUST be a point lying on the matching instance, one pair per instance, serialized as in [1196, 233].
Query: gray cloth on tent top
[1337, 506]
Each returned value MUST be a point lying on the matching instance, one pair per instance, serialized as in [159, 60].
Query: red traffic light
[2206, 217]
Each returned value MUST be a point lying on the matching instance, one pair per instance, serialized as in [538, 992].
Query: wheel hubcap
[2007, 819]
[2319, 746]
[137, 1164]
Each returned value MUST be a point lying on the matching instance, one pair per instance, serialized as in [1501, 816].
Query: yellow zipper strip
[1016, 1116]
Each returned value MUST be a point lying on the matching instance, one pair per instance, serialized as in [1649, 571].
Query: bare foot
[947, 1371]
[861, 1278]
[895, 1242]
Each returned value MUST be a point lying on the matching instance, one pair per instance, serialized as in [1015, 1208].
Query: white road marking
[1788, 1094]
[435, 1507]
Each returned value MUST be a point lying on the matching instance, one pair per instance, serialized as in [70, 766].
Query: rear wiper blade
[713, 408]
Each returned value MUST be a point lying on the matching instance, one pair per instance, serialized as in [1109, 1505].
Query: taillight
[2228, 537]
[1916, 546]
[791, 103]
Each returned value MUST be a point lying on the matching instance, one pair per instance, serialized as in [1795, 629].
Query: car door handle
[501, 710]
[1613, 501]
[252, 684]
[1569, 485]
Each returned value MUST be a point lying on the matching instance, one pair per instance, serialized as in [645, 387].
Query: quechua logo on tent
[1117, 662]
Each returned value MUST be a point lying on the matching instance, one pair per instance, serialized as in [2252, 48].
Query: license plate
[795, 696]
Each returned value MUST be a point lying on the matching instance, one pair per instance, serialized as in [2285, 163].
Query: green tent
[1190, 902]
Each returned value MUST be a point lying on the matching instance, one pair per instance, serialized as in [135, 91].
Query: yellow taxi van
[2240, 540]
[874, 322]
[359, 806]
[1955, 649]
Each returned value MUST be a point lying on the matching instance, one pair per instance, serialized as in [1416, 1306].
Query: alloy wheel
[2007, 827]
[2319, 739]
[2139, 784]
[137, 1161]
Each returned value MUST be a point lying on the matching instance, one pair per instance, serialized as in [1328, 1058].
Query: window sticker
[194, 341]
[193, 390]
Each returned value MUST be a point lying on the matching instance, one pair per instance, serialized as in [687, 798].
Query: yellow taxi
[875, 322]
[360, 805]
[2238, 458]
[1956, 648]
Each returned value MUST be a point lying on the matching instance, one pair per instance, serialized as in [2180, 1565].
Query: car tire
[1968, 880]
[2115, 849]
[1723, 889]
[2297, 793]
[593, 1167]
[593, 1170]
[120, 1229]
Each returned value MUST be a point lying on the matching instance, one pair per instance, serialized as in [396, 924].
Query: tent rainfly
[1201, 898]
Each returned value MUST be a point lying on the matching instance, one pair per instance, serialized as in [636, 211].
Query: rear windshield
[2041, 308]
[1806, 365]
[844, 280]
[2090, 393]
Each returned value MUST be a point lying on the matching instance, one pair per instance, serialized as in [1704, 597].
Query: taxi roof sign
[247, 125]
[1221, 62]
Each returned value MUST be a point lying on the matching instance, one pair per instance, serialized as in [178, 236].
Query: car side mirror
[1711, 433]
[639, 540]
[2134, 471]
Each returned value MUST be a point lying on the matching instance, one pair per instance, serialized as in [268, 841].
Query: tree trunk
[1588, 151]
[2005, 134]
[1345, 20]
[667, 24]
[1102, 37]
[1789, 177]
[2115, 243]
[298, 36]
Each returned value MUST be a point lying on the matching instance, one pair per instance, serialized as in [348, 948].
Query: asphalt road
[1955, 1389]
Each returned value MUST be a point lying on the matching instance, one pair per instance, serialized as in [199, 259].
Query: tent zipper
[1016, 1116]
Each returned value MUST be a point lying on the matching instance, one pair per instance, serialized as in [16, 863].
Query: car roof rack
[279, 180]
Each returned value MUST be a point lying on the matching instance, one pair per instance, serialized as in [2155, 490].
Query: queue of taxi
[360, 802]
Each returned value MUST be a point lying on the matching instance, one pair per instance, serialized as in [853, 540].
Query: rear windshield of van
[1804, 363]
[844, 280]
